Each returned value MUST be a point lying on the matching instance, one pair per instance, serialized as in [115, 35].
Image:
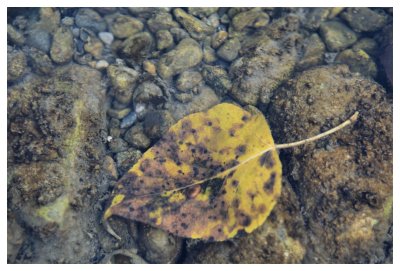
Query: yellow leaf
[212, 175]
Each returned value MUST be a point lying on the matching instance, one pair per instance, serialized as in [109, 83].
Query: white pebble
[101, 64]
[109, 138]
[139, 108]
[106, 37]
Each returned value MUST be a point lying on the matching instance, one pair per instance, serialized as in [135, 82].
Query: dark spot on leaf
[269, 184]
[230, 174]
[183, 215]
[235, 183]
[245, 118]
[251, 195]
[184, 225]
[195, 171]
[224, 214]
[219, 230]
[244, 220]
[240, 150]
[232, 132]
[235, 203]
[209, 123]
[262, 208]
[161, 160]
[232, 163]
[266, 160]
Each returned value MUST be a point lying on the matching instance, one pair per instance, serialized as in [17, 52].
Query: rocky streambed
[91, 89]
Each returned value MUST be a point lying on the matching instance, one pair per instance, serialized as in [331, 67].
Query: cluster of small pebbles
[158, 65]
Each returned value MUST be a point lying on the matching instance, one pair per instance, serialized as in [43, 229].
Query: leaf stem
[349, 121]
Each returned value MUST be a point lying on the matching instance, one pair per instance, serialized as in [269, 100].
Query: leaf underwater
[212, 175]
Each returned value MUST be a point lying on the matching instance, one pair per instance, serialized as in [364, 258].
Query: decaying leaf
[211, 176]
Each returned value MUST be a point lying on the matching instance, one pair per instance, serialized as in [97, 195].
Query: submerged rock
[370, 46]
[188, 80]
[106, 37]
[40, 61]
[123, 26]
[202, 12]
[164, 39]
[337, 36]
[158, 246]
[122, 77]
[16, 236]
[123, 256]
[137, 46]
[16, 64]
[118, 113]
[123, 80]
[88, 18]
[62, 48]
[186, 54]
[196, 28]
[94, 47]
[218, 39]
[313, 52]
[136, 137]
[344, 182]
[54, 146]
[358, 61]
[315, 17]
[148, 92]
[147, 12]
[161, 21]
[14, 36]
[229, 50]
[217, 78]
[128, 120]
[39, 38]
[364, 19]
[253, 18]
[261, 70]
[205, 99]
